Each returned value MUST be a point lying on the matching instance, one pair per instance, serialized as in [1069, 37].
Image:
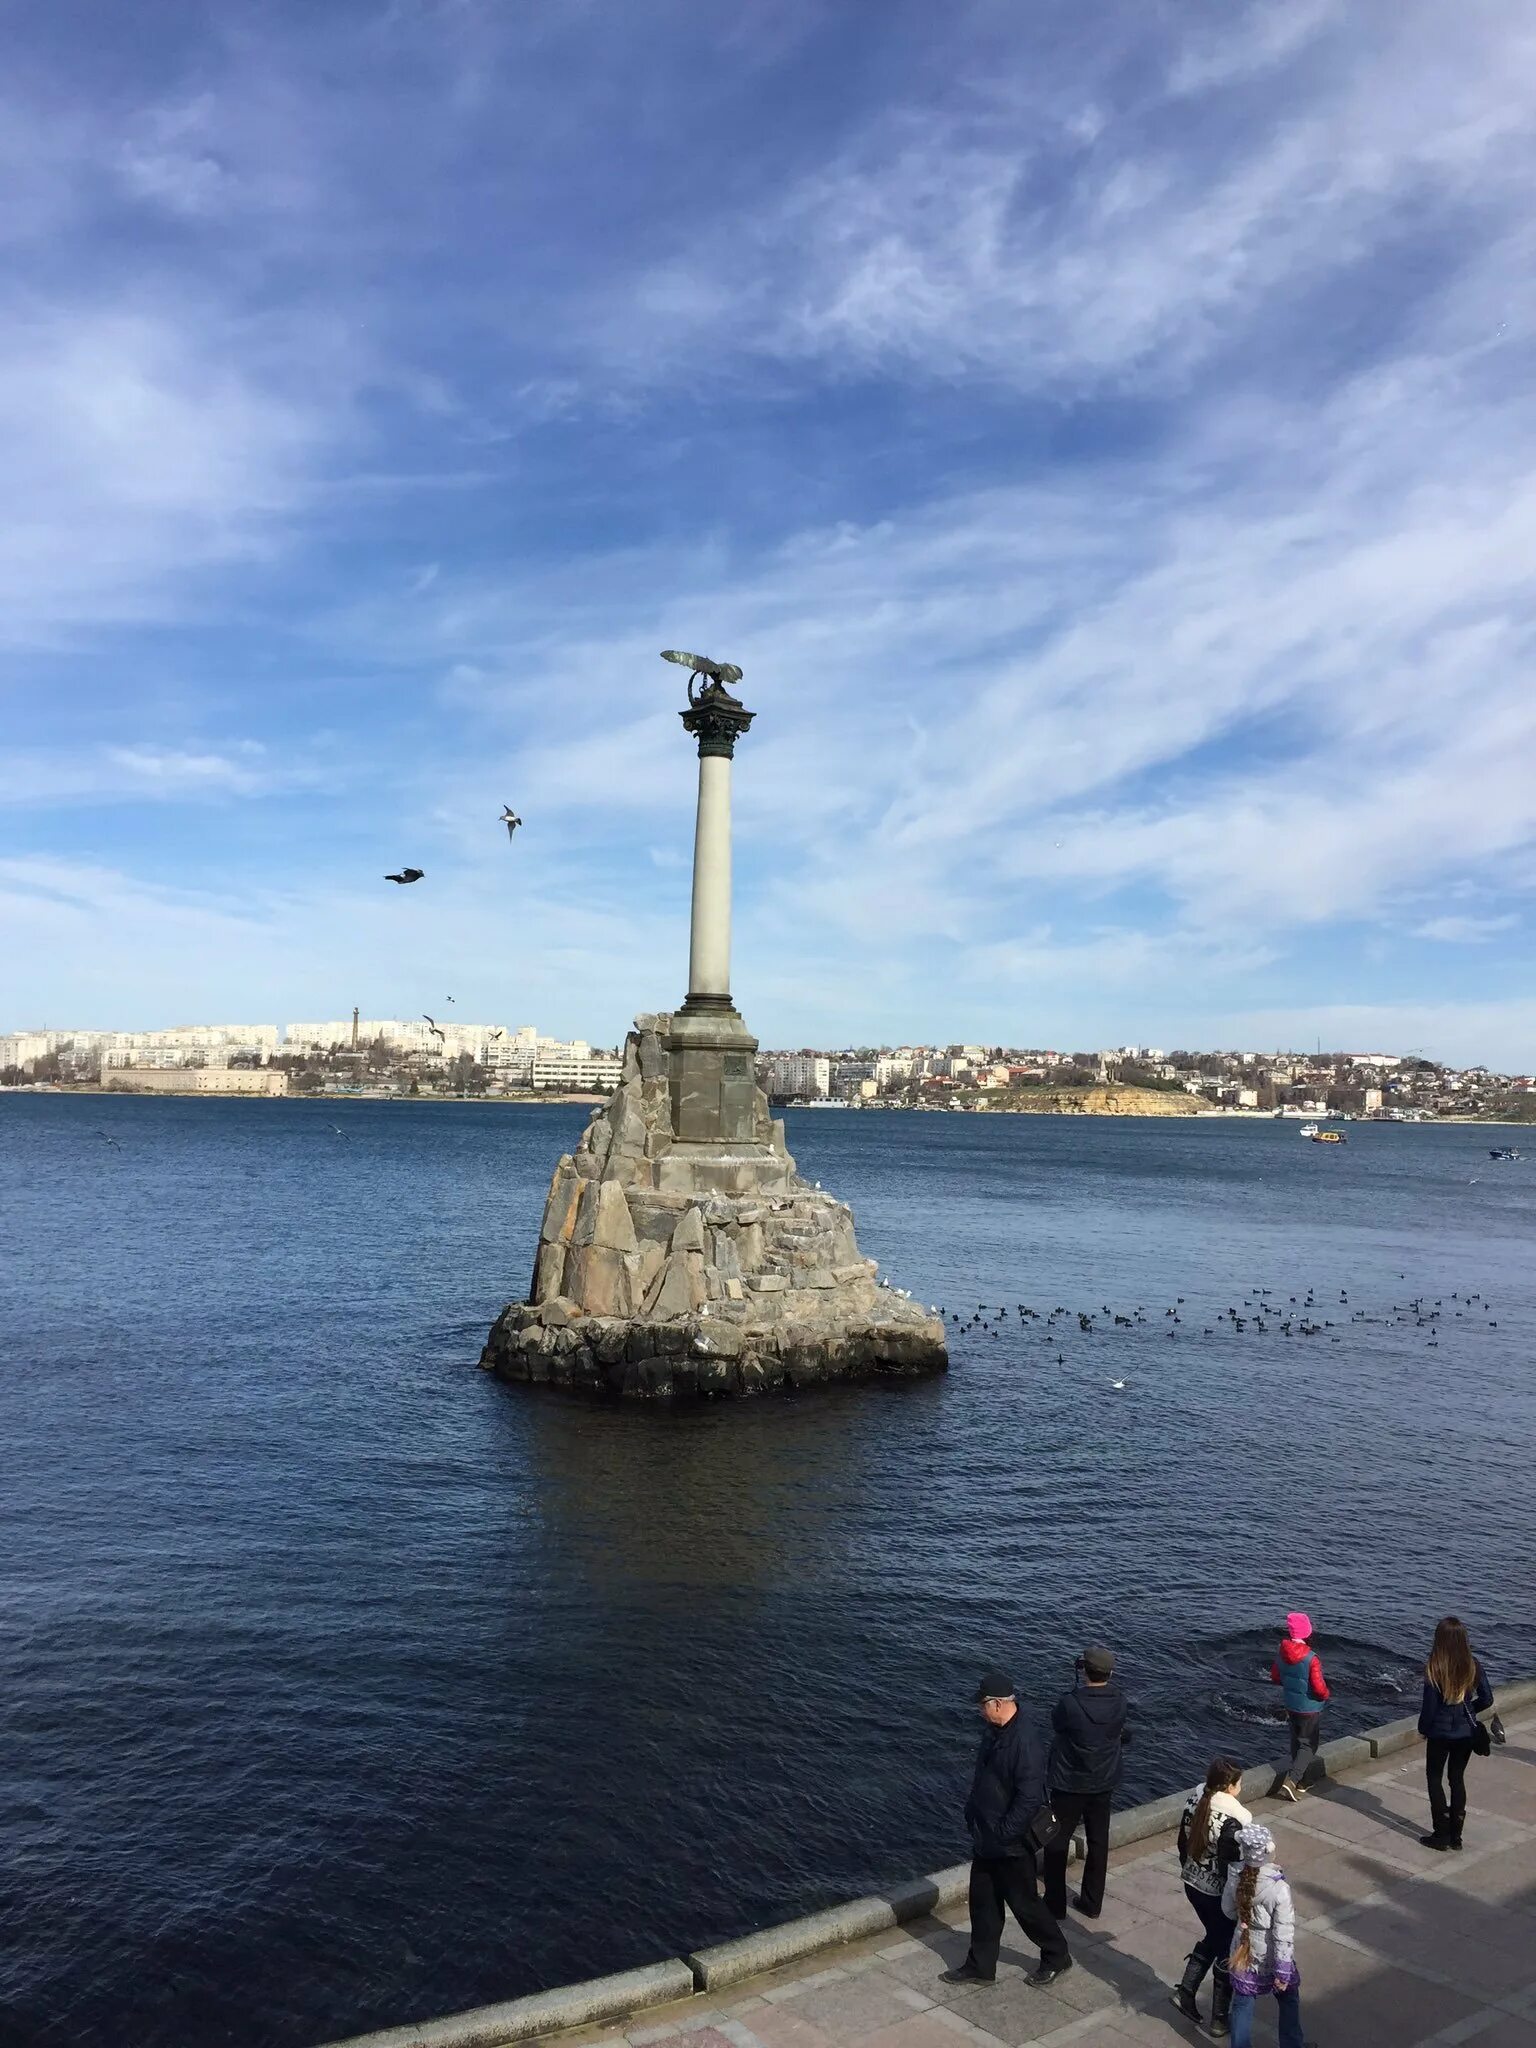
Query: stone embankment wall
[730, 1962]
[667, 1268]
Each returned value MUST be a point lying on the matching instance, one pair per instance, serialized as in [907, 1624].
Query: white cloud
[146, 446]
[1009, 236]
[1464, 931]
[143, 772]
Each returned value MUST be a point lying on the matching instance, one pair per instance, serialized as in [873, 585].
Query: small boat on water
[1329, 1138]
[1502, 1152]
[1309, 1130]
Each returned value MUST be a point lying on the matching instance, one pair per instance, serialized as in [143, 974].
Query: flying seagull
[433, 1025]
[510, 819]
[407, 875]
[716, 671]
[499, 1032]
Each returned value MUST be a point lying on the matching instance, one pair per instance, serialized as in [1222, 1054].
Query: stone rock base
[691, 1265]
[709, 1355]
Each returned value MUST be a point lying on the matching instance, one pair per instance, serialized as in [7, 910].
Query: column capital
[717, 720]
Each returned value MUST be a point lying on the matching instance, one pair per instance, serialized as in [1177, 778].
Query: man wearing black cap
[1007, 1793]
[1089, 1731]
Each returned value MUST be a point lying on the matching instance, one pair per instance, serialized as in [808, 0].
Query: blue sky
[1105, 437]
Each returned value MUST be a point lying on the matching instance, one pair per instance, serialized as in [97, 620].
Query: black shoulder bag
[1482, 1741]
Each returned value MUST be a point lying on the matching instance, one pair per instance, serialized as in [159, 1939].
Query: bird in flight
[407, 875]
[510, 819]
[433, 1026]
[111, 1140]
[450, 999]
[498, 1033]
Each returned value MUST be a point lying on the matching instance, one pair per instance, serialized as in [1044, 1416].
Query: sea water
[344, 1685]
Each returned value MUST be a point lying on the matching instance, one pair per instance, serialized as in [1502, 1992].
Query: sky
[1105, 437]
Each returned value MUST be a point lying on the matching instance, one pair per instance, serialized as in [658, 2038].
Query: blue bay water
[343, 1685]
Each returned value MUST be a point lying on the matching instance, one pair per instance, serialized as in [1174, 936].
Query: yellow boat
[1328, 1137]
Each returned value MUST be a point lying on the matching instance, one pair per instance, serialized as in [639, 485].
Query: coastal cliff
[1091, 1102]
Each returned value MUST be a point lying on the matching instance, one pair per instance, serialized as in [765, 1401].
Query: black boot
[1220, 2022]
[1183, 1993]
[1454, 1825]
[1439, 1836]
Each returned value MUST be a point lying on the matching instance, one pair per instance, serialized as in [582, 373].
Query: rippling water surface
[344, 1686]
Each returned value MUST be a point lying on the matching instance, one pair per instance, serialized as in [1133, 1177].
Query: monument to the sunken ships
[681, 1253]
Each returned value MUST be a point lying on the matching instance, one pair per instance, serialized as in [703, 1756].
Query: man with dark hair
[1088, 1727]
[1007, 1795]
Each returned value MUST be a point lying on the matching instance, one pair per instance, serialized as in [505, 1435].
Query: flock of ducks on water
[1262, 1313]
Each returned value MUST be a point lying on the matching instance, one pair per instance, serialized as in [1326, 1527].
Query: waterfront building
[798, 1073]
[197, 1081]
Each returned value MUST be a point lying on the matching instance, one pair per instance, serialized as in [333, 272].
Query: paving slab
[1399, 1947]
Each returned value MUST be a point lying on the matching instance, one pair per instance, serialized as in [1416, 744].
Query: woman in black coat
[1456, 1691]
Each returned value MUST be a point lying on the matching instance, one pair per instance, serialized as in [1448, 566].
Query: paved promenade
[1399, 1947]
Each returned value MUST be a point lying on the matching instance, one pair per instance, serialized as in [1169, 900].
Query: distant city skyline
[1110, 455]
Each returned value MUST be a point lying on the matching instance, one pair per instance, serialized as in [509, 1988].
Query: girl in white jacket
[1258, 1899]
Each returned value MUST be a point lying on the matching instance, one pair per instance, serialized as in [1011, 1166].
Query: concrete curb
[729, 1962]
[543, 2012]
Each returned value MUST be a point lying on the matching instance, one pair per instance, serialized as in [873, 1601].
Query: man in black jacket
[1007, 1792]
[1089, 1732]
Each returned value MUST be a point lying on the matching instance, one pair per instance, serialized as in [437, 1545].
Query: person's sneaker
[1048, 1973]
[1286, 1790]
[966, 1973]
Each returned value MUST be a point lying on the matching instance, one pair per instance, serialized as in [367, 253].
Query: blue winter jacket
[1440, 1721]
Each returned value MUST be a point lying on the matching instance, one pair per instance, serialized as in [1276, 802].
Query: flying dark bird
[498, 1032]
[510, 819]
[407, 875]
[448, 999]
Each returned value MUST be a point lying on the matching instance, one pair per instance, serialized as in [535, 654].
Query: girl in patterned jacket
[1213, 1816]
[1263, 1959]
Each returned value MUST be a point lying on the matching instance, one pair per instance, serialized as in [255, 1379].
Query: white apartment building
[401, 1034]
[182, 1045]
[799, 1073]
[574, 1064]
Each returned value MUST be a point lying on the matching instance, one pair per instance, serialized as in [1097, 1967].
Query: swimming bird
[407, 875]
[510, 819]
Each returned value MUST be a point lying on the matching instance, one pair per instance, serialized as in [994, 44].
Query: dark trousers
[1215, 1945]
[1092, 1809]
[1001, 1881]
[1306, 1733]
[1447, 1816]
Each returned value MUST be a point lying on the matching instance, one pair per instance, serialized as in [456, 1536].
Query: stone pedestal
[681, 1253]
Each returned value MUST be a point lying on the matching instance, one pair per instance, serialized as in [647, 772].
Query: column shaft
[709, 957]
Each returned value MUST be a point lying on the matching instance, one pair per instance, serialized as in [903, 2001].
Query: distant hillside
[1091, 1102]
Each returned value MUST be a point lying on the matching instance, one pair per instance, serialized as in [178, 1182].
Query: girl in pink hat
[1298, 1671]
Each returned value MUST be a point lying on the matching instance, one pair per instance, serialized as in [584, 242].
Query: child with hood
[1298, 1672]
[1263, 1959]
[1208, 1848]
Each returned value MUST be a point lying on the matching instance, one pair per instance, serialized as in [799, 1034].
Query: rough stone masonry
[668, 1265]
